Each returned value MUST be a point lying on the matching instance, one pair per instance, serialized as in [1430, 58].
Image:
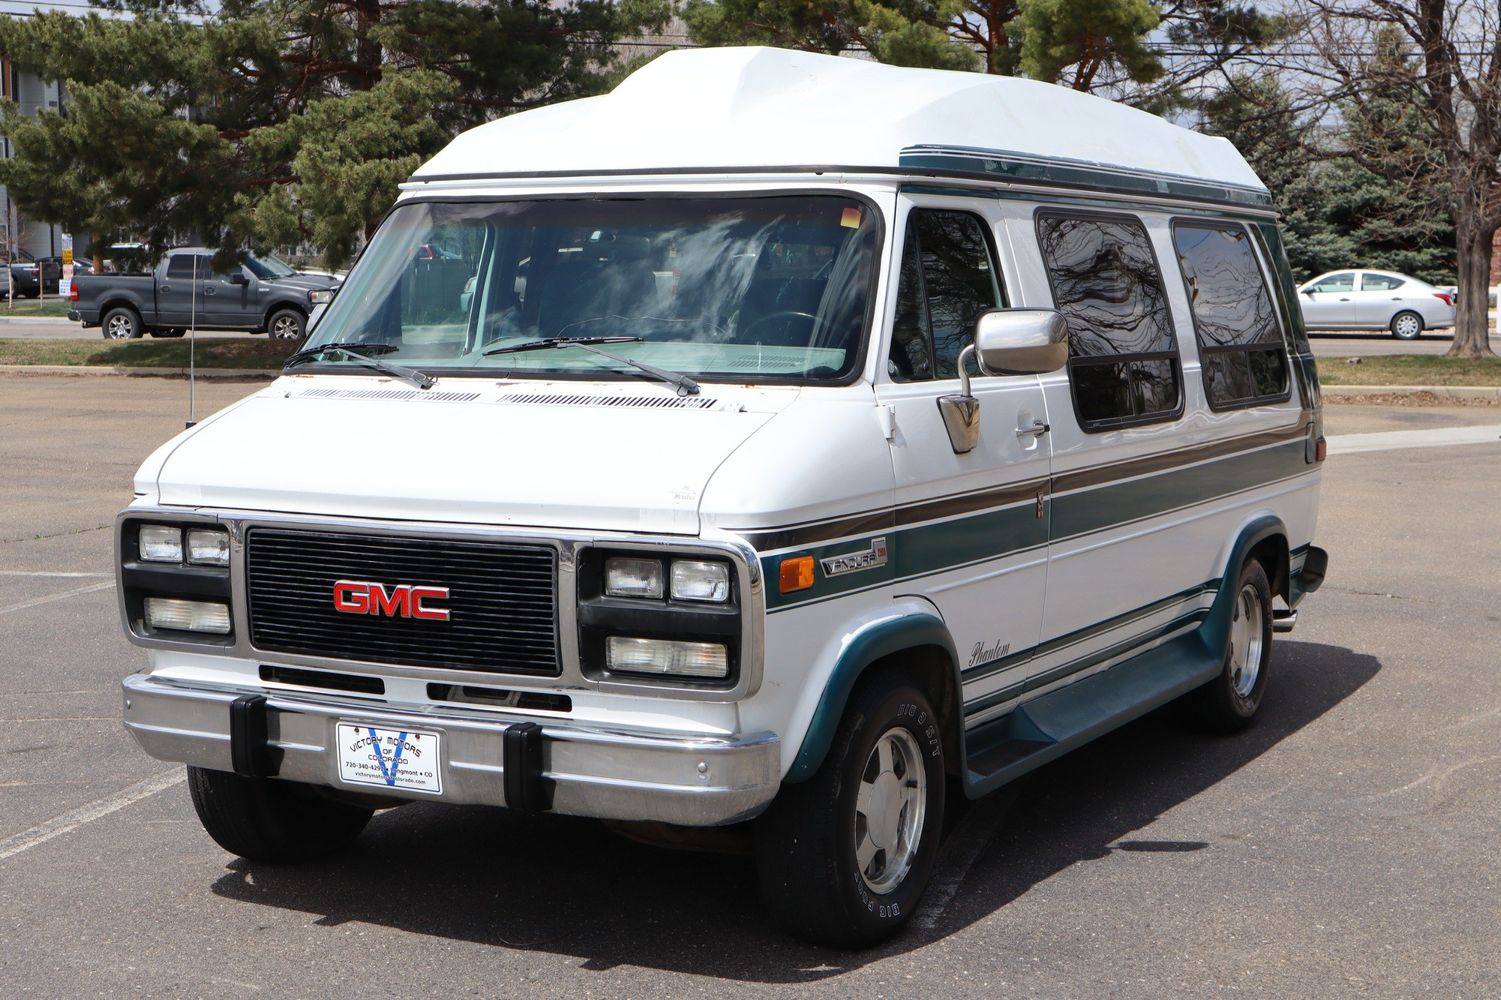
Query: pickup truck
[30, 276]
[259, 295]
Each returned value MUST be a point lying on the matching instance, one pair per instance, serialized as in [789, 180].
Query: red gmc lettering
[404, 600]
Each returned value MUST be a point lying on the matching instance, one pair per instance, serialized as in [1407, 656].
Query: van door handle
[1036, 427]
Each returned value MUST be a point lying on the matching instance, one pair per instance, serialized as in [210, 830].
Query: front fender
[908, 625]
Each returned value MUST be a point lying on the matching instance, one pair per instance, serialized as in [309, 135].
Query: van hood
[557, 455]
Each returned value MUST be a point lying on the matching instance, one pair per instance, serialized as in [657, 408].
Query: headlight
[665, 656]
[187, 616]
[318, 296]
[161, 543]
[633, 577]
[700, 580]
[208, 547]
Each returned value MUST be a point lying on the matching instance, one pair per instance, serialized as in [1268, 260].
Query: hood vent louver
[432, 397]
[582, 399]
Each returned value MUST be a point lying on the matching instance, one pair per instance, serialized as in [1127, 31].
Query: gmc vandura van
[779, 437]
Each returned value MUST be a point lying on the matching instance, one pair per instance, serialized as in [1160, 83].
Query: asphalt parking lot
[1348, 845]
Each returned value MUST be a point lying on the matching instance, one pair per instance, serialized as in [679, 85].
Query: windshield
[773, 288]
[267, 267]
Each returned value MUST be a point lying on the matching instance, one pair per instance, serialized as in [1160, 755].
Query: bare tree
[1458, 83]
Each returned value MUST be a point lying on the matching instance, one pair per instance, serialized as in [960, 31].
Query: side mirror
[1021, 341]
[1007, 342]
[1307, 291]
[238, 278]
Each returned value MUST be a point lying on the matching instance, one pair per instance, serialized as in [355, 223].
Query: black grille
[502, 600]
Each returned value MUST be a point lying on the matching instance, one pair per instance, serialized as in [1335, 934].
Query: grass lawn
[50, 306]
[1410, 369]
[246, 352]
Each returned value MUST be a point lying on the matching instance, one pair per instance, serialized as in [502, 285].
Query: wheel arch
[917, 641]
[1263, 538]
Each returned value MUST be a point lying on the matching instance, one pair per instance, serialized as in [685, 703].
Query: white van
[881, 436]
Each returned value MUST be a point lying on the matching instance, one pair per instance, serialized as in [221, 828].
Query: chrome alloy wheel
[1407, 326]
[889, 810]
[285, 328]
[1246, 637]
[119, 327]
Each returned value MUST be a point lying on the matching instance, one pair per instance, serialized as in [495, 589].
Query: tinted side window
[1123, 356]
[1240, 343]
[1380, 283]
[182, 265]
[948, 279]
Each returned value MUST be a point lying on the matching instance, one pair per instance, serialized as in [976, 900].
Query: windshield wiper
[685, 385]
[410, 375]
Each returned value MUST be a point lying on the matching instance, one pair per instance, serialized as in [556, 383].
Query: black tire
[1407, 325]
[280, 822]
[807, 841]
[121, 323]
[286, 324]
[1228, 703]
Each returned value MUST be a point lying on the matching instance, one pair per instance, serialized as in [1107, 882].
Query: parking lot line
[75, 592]
[72, 820]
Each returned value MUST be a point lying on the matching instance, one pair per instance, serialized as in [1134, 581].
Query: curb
[1440, 391]
[23, 320]
[222, 374]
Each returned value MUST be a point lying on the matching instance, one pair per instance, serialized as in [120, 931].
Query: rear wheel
[121, 324]
[845, 856]
[288, 324]
[276, 821]
[1228, 703]
[1407, 326]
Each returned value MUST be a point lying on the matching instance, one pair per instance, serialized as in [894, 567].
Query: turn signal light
[796, 574]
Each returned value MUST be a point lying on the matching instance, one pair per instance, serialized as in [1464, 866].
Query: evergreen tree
[282, 121]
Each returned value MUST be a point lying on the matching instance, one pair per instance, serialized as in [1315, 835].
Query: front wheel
[274, 821]
[1407, 326]
[288, 324]
[844, 857]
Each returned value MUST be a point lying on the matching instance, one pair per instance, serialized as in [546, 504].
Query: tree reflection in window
[1123, 356]
[948, 279]
[1240, 343]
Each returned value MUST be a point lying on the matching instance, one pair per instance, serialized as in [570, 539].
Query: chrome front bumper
[688, 779]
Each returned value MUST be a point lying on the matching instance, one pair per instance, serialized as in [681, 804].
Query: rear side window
[183, 265]
[1240, 344]
[1123, 357]
[1380, 283]
[948, 278]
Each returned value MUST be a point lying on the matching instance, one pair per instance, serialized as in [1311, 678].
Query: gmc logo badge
[364, 597]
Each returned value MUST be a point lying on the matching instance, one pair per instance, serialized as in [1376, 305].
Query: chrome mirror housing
[1021, 341]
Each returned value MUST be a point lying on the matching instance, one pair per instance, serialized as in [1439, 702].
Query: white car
[1375, 300]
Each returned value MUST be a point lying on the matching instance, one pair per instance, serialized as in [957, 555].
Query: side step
[1050, 726]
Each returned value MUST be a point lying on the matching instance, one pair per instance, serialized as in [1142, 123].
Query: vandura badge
[854, 562]
[404, 600]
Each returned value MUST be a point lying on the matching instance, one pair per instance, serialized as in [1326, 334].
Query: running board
[1049, 726]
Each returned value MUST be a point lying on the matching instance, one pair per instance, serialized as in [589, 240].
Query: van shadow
[571, 887]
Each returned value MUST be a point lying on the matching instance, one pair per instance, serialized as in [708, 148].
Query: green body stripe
[935, 548]
[1098, 509]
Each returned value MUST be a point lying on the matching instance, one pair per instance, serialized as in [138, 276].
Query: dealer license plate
[390, 758]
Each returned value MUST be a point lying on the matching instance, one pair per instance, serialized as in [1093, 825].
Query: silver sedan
[1375, 300]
